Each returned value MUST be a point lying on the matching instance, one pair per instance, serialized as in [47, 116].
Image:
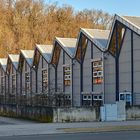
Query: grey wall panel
[67, 61]
[23, 79]
[137, 98]
[39, 75]
[87, 69]
[76, 84]
[33, 81]
[136, 69]
[60, 72]
[18, 83]
[51, 78]
[125, 64]
[109, 74]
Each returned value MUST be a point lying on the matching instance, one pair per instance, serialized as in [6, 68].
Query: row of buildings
[97, 67]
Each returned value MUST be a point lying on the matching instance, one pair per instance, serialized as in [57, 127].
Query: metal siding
[109, 76]
[18, 83]
[97, 54]
[76, 83]
[33, 81]
[60, 72]
[87, 78]
[68, 61]
[136, 50]
[23, 79]
[39, 76]
[125, 64]
[51, 77]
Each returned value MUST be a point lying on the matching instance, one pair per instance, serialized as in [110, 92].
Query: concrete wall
[50, 114]
[75, 114]
[133, 113]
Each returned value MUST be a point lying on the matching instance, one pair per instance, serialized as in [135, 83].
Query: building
[45, 72]
[100, 66]
[90, 55]
[27, 74]
[12, 73]
[62, 59]
[123, 45]
[3, 80]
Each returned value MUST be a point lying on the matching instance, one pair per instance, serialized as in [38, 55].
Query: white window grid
[97, 97]
[67, 72]
[27, 81]
[44, 79]
[87, 97]
[98, 74]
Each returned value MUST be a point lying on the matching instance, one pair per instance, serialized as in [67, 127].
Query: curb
[101, 129]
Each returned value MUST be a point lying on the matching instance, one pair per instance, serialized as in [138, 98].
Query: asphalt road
[130, 135]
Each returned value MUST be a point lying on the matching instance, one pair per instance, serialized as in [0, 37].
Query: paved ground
[131, 135]
[13, 121]
[15, 127]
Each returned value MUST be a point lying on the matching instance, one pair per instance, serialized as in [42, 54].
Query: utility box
[113, 112]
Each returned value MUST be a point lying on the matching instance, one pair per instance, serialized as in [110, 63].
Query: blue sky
[122, 7]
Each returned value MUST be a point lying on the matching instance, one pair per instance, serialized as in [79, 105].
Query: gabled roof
[131, 22]
[27, 55]
[97, 36]
[3, 63]
[68, 44]
[45, 51]
[14, 59]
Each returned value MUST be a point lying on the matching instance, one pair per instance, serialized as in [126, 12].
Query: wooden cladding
[120, 33]
[36, 58]
[56, 54]
[81, 48]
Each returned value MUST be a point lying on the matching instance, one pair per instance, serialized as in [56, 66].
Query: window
[87, 97]
[27, 82]
[67, 75]
[44, 80]
[13, 83]
[97, 97]
[84, 97]
[126, 96]
[100, 97]
[97, 66]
